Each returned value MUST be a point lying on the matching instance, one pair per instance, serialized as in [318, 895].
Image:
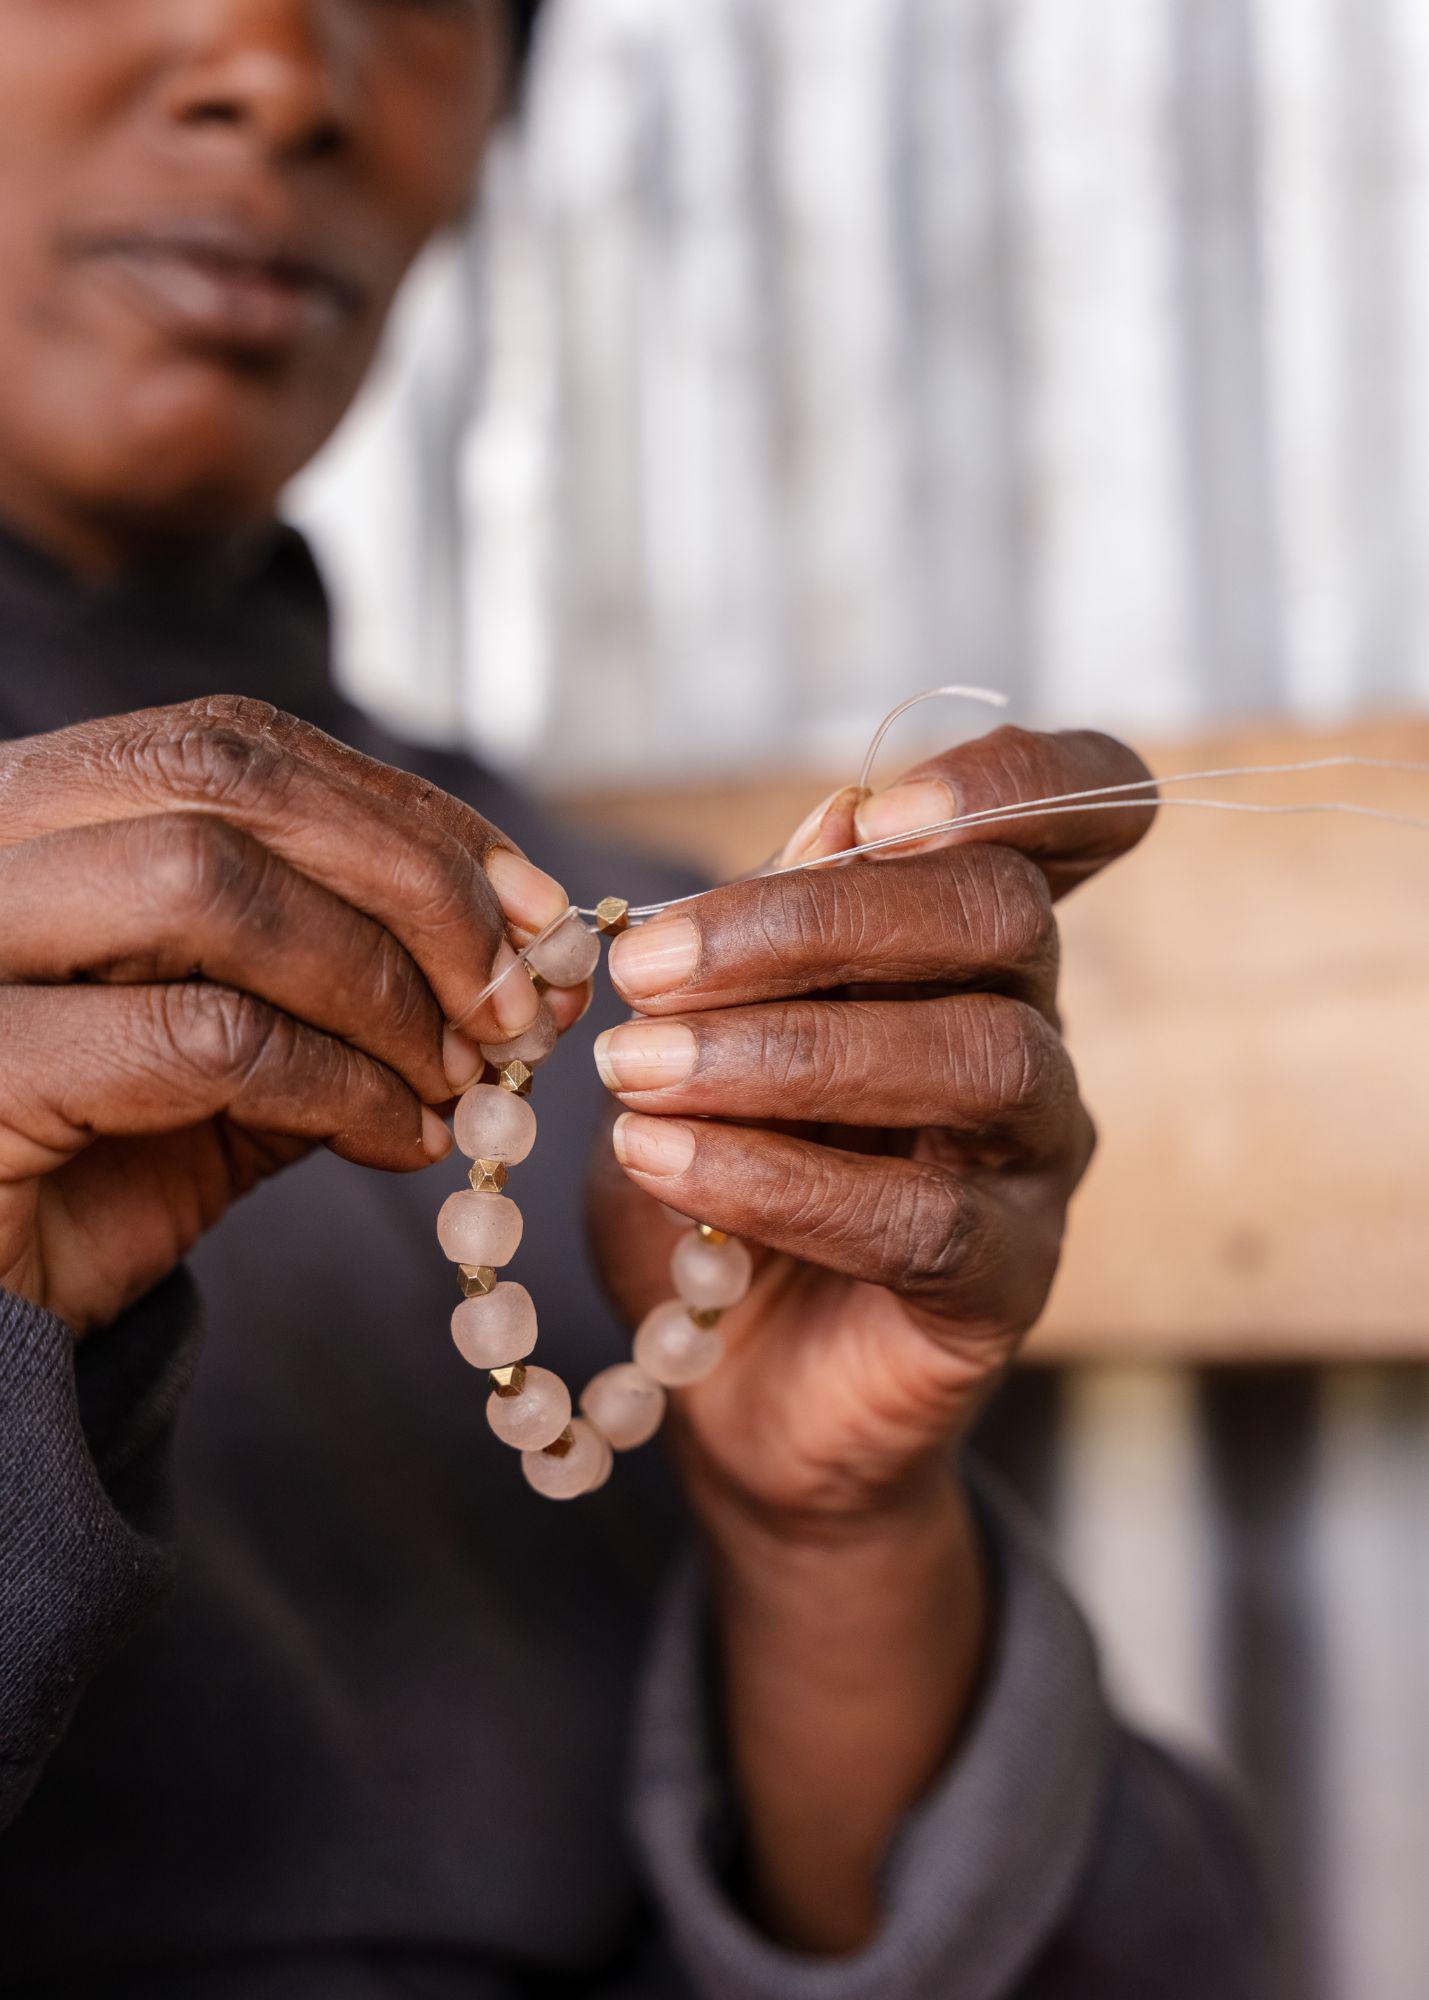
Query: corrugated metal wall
[810, 353]
[1250, 1544]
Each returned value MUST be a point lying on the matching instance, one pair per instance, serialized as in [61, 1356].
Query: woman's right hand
[226, 938]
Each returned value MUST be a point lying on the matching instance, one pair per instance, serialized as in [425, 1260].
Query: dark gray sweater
[302, 1693]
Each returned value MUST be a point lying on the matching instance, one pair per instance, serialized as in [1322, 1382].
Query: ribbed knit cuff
[984, 1869]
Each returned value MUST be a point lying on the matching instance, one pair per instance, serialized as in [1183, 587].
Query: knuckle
[234, 711]
[257, 721]
[819, 1202]
[852, 913]
[931, 1224]
[220, 751]
[1107, 761]
[782, 921]
[1022, 928]
[221, 1033]
[1019, 757]
[200, 868]
[396, 990]
[1108, 755]
[433, 885]
[805, 1050]
[1027, 1064]
[820, 922]
[1009, 1072]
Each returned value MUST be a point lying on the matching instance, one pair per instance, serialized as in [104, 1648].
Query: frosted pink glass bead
[607, 1466]
[495, 1124]
[532, 1048]
[479, 1229]
[497, 1330]
[576, 1472]
[674, 1351]
[711, 1276]
[568, 955]
[534, 1418]
[625, 1404]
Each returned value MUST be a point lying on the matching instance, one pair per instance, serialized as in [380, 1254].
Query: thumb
[829, 829]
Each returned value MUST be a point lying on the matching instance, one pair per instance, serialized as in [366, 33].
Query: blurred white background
[804, 355]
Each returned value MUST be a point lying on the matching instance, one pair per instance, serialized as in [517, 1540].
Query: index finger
[391, 845]
[977, 918]
[1012, 767]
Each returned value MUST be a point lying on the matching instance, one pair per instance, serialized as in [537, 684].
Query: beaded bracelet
[494, 1327]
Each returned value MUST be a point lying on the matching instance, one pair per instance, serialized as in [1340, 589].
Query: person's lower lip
[219, 304]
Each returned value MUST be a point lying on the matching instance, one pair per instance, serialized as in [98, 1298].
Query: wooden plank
[1247, 1002]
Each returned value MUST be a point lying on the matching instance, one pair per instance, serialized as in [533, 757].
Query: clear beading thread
[1144, 794]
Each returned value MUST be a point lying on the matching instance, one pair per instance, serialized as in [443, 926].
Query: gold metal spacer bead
[705, 1316]
[562, 1444]
[710, 1235]
[507, 1382]
[516, 1077]
[477, 1280]
[538, 979]
[488, 1176]
[613, 915]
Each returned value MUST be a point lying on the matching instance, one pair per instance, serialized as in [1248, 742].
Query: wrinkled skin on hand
[227, 939]
[875, 1091]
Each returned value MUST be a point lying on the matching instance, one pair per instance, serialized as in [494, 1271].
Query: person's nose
[283, 72]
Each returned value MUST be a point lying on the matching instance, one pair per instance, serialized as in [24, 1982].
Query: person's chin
[127, 424]
[198, 443]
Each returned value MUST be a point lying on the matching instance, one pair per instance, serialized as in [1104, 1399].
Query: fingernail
[530, 898]
[655, 957]
[653, 1146]
[462, 1060]
[515, 1002]
[808, 841]
[645, 1055]
[905, 808]
[436, 1139]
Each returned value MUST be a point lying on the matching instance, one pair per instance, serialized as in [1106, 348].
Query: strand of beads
[495, 1326]
[678, 1344]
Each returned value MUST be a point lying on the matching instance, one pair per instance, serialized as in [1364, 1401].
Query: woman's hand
[224, 939]
[859, 1068]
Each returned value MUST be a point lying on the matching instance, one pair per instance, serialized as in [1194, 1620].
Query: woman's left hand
[859, 1069]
